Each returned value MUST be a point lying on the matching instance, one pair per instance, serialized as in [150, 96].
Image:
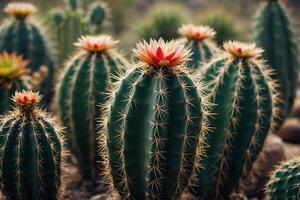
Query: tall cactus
[197, 38]
[82, 87]
[153, 123]
[30, 151]
[274, 33]
[245, 106]
[285, 181]
[13, 70]
[26, 37]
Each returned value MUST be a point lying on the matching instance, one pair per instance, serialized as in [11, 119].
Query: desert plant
[82, 87]
[13, 70]
[245, 106]
[31, 149]
[285, 181]
[197, 38]
[153, 123]
[98, 13]
[27, 38]
[274, 33]
[162, 21]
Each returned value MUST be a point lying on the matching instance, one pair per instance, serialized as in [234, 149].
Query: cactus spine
[197, 38]
[30, 151]
[81, 89]
[153, 124]
[285, 181]
[245, 106]
[274, 33]
[25, 37]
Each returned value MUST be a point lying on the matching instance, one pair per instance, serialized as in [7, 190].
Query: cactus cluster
[285, 181]
[245, 106]
[274, 33]
[24, 36]
[81, 89]
[31, 149]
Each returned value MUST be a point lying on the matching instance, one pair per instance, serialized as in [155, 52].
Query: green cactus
[153, 123]
[197, 38]
[81, 89]
[274, 33]
[285, 181]
[25, 37]
[162, 21]
[30, 152]
[245, 106]
[71, 23]
[13, 70]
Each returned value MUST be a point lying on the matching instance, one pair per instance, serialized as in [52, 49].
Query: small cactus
[82, 87]
[13, 70]
[25, 37]
[30, 151]
[153, 123]
[197, 38]
[245, 106]
[98, 13]
[273, 32]
[285, 181]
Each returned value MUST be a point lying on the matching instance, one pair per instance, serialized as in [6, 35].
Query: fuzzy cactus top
[94, 44]
[242, 50]
[26, 101]
[193, 32]
[20, 10]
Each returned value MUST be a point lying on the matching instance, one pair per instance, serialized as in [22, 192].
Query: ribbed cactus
[26, 37]
[197, 38]
[30, 151]
[285, 181]
[244, 110]
[13, 70]
[153, 124]
[81, 89]
[98, 13]
[274, 33]
[71, 23]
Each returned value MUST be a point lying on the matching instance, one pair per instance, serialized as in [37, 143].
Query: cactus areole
[153, 122]
[31, 151]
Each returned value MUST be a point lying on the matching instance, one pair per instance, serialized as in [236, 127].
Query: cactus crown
[94, 44]
[242, 50]
[193, 32]
[26, 101]
[12, 66]
[20, 10]
[159, 53]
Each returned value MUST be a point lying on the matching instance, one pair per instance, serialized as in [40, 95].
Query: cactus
[71, 23]
[98, 13]
[152, 128]
[81, 89]
[30, 151]
[26, 37]
[245, 108]
[162, 21]
[285, 181]
[13, 70]
[274, 33]
[197, 38]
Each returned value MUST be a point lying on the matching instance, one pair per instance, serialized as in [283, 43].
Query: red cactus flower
[242, 50]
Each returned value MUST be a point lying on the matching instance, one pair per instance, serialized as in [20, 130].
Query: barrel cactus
[245, 107]
[151, 133]
[13, 71]
[285, 181]
[31, 149]
[27, 38]
[82, 87]
[274, 33]
[198, 39]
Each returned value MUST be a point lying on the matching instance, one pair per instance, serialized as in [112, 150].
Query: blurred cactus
[98, 13]
[274, 33]
[31, 150]
[162, 21]
[285, 181]
[153, 124]
[198, 39]
[13, 70]
[244, 100]
[81, 89]
[25, 37]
